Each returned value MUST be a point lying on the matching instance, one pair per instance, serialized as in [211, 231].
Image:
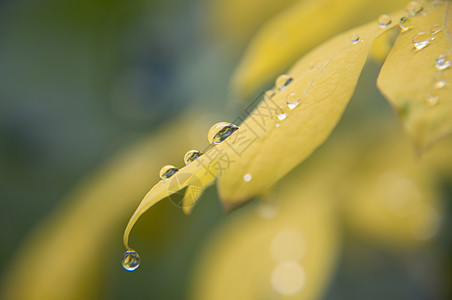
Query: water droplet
[421, 40]
[269, 94]
[130, 260]
[405, 23]
[436, 28]
[280, 114]
[414, 8]
[355, 38]
[191, 156]
[432, 99]
[437, 3]
[442, 63]
[220, 131]
[292, 100]
[277, 125]
[247, 177]
[384, 20]
[440, 84]
[168, 171]
[282, 81]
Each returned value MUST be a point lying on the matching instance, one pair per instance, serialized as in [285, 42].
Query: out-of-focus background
[96, 96]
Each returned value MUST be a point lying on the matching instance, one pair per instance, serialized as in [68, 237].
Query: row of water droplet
[217, 133]
[421, 40]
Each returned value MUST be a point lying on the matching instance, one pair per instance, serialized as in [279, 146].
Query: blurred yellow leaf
[416, 76]
[281, 250]
[61, 258]
[236, 20]
[390, 196]
[297, 30]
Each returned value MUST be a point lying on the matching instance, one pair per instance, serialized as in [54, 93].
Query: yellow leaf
[323, 82]
[272, 250]
[416, 77]
[297, 30]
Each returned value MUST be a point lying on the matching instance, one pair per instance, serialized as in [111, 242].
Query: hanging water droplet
[292, 100]
[191, 156]
[130, 260]
[440, 84]
[269, 94]
[282, 81]
[414, 8]
[436, 28]
[432, 99]
[247, 177]
[280, 114]
[167, 171]
[442, 63]
[384, 20]
[421, 40]
[355, 38]
[405, 23]
[220, 131]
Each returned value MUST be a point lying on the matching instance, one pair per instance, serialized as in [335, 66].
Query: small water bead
[191, 156]
[436, 28]
[421, 40]
[269, 94]
[384, 20]
[281, 116]
[292, 100]
[440, 84]
[414, 8]
[130, 260]
[168, 171]
[442, 63]
[282, 81]
[437, 3]
[432, 99]
[247, 177]
[220, 131]
[405, 23]
[355, 38]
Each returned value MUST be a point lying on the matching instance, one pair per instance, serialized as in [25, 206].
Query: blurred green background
[81, 81]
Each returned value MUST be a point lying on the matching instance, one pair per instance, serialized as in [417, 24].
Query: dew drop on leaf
[220, 131]
[440, 84]
[191, 156]
[405, 23]
[355, 38]
[437, 3]
[384, 20]
[432, 99]
[130, 260]
[282, 81]
[280, 114]
[442, 63]
[168, 171]
[436, 28]
[269, 94]
[414, 8]
[421, 40]
[292, 100]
